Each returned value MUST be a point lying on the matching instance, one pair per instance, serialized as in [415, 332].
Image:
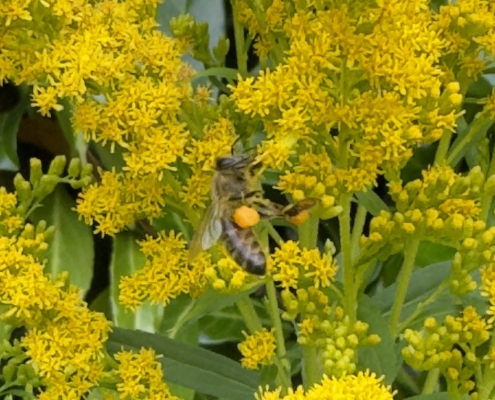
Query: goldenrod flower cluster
[166, 273]
[451, 347]
[62, 333]
[292, 266]
[349, 387]
[359, 84]
[141, 376]
[257, 349]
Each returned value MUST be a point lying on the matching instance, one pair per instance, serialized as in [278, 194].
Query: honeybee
[235, 185]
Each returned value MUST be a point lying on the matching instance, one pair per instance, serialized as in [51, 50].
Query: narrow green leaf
[381, 358]
[184, 309]
[476, 131]
[126, 260]
[372, 202]
[422, 284]
[64, 121]
[431, 253]
[9, 126]
[190, 366]
[433, 396]
[72, 247]
[227, 73]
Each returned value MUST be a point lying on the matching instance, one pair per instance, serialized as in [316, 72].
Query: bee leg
[242, 196]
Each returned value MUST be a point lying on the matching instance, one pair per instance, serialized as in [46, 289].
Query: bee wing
[207, 233]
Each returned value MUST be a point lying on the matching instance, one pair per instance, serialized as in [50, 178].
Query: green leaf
[102, 304]
[431, 253]
[77, 145]
[126, 260]
[433, 396]
[183, 309]
[72, 247]
[227, 73]
[422, 284]
[9, 126]
[372, 202]
[381, 358]
[190, 366]
[476, 131]
[222, 326]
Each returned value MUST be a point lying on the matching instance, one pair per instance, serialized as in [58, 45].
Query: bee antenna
[232, 148]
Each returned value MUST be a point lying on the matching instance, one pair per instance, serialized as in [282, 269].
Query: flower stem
[249, 315]
[277, 325]
[253, 323]
[443, 147]
[240, 48]
[431, 381]
[348, 268]
[310, 366]
[357, 229]
[410, 251]
[487, 384]
[308, 233]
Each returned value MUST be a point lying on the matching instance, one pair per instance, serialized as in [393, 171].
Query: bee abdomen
[244, 248]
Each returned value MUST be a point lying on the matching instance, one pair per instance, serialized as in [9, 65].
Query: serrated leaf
[190, 366]
[9, 126]
[372, 202]
[71, 248]
[126, 260]
[381, 358]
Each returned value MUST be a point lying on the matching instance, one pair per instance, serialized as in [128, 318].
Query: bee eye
[246, 217]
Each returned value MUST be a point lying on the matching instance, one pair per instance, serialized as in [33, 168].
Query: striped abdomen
[243, 247]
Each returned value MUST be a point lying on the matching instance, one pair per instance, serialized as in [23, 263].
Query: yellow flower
[141, 376]
[290, 265]
[349, 387]
[257, 349]
[166, 273]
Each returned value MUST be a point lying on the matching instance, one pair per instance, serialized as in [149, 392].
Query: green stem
[357, 230]
[249, 315]
[485, 387]
[486, 199]
[346, 249]
[410, 251]
[431, 381]
[240, 48]
[443, 147]
[308, 233]
[310, 366]
[279, 333]
[482, 122]
[421, 306]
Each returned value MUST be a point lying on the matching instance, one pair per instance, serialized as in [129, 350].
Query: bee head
[234, 162]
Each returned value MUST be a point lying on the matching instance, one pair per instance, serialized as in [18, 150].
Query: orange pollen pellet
[246, 217]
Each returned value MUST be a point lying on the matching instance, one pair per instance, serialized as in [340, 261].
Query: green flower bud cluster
[196, 34]
[340, 344]
[310, 301]
[15, 371]
[443, 207]
[40, 185]
[33, 240]
[472, 253]
[451, 347]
